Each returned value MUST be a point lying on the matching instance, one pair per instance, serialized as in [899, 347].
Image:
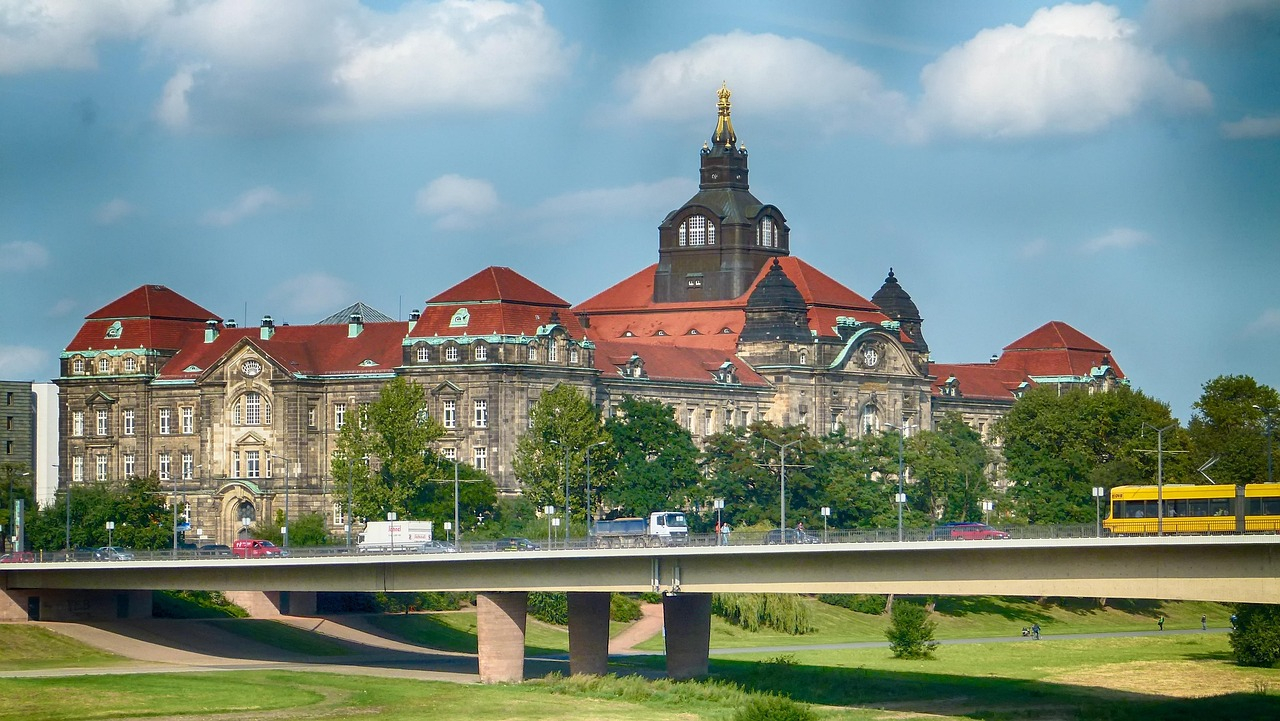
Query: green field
[24, 646]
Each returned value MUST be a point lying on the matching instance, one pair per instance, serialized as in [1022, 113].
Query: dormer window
[451, 354]
[115, 330]
[767, 235]
[424, 354]
[461, 318]
[573, 356]
[104, 365]
[77, 365]
[130, 364]
[697, 230]
[533, 353]
[481, 352]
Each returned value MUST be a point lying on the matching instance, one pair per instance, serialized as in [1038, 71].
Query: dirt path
[646, 628]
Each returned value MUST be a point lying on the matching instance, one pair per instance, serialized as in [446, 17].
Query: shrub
[753, 611]
[861, 602]
[1256, 638]
[910, 631]
[651, 597]
[624, 609]
[774, 708]
[405, 602]
[550, 608]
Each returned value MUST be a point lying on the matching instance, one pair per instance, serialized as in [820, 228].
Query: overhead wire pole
[901, 497]
[566, 488]
[782, 491]
[1160, 474]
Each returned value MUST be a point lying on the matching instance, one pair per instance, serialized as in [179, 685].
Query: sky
[1114, 166]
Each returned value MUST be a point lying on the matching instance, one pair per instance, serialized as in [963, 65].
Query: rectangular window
[103, 419]
[129, 465]
[339, 518]
[252, 464]
[709, 427]
[235, 464]
[451, 353]
[553, 352]
[104, 365]
[235, 413]
[77, 469]
[130, 365]
[188, 420]
[77, 423]
[252, 409]
[573, 356]
[165, 417]
[450, 415]
[188, 465]
[424, 354]
[482, 414]
[127, 421]
[482, 458]
[533, 352]
[164, 467]
[311, 416]
[688, 419]
[339, 415]
[482, 352]
[532, 405]
[102, 467]
[449, 453]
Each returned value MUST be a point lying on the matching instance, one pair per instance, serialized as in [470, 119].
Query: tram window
[1199, 507]
[1220, 507]
[1264, 506]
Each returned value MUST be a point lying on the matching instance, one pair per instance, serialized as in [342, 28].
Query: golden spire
[724, 134]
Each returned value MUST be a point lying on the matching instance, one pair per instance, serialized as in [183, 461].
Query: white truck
[661, 528]
[397, 536]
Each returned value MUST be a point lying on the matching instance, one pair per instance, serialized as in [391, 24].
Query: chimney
[229, 323]
[994, 357]
[210, 330]
[355, 326]
[414, 316]
[268, 328]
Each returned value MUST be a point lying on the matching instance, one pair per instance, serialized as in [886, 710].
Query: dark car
[515, 544]
[792, 535]
[965, 532]
[214, 549]
[112, 553]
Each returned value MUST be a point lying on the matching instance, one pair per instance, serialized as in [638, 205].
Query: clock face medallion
[251, 368]
[870, 357]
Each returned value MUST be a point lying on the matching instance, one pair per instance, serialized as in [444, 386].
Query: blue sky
[1114, 166]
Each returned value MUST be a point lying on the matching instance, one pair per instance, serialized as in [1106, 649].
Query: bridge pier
[500, 623]
[687, 630]
[589, 632]
[265, 604]
[73, 605]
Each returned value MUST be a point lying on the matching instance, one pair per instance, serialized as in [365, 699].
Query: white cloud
[577, 215]
[113, 211]
[18, 361]
[22, 255]
[1116, 239]
[290, 61]
[1251, 128]
[1034, 248]
[1266, 324]
[64, 34]
[458, 203]
[317, 294]
[1071, 69]
[252, 202]
[786, 77]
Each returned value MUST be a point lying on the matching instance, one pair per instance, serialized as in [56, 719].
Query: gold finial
[724, 125]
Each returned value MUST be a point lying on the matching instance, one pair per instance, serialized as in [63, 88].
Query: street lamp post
[901, 497]
[284, 530]
[566, 488]
[593, 445]
[111, 526]
[826, 513]
[350, 496]
[782, 489]
[68, 495]
[987, 507]
[13, 516]
[555, 522]
[447, 527]
[719, 506]
[1098, 493]
[1269, 424]
[174, 528]
[391, 529]
[457, 526]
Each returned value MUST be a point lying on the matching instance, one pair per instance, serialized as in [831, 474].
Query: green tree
[136, 506]
[553, 453]
[308, 529]
[18, 483]
[382, 450]
[732, 471]
[1059, 445]
[1255, 640]
[477, 494]
[1229, 424]
[910, 631]
[656, 466]
[859, 476]
[949, 466]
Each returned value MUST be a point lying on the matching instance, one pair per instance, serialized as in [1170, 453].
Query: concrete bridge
[1211, 568]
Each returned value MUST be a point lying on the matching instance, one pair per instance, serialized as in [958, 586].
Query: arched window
[246, 510]
[697, 230]
[533, 352]
[424, 354]
[104, 365]
[451, 353]
[251, 410]
[767, 234]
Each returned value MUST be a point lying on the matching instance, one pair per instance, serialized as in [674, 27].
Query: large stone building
[728, 327]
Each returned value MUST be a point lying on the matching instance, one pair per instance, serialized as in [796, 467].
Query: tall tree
[656, 464]
[477, 494]
[382, 451]
[135, 506]
[949, 465]
[859, 477]
[17, 480]
[1230, 424]
[1059, 445]
[553, 453]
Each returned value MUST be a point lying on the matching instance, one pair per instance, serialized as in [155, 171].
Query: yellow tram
[1195, 509]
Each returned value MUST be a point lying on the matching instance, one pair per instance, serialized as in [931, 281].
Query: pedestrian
[1035, 631]
[1204, 622]
[1233, 622]
[1160, 622]
[717, 533]
[724, 531]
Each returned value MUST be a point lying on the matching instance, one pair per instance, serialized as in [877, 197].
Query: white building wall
[46, 441]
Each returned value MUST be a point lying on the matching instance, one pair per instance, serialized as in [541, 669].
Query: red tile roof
[672, 363]
[135, 333]
[628, 306]
[306, 349]
[152, 301]
[498, 283]
[979, 380]
[1057, 349]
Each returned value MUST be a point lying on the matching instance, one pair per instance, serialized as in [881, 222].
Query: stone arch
[239, 502]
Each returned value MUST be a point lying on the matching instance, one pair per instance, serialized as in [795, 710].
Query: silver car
[112, 553]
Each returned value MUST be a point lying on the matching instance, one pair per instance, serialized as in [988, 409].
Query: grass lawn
[456, 631]
[24, 646]
[976, 617]
[283, 636]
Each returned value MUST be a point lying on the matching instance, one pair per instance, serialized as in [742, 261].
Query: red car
[18, 557]
[255, 548]
[966, 532]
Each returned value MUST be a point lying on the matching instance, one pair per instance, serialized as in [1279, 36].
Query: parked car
[18, 557]
[793, 535]
[112, 553]
[965, 532]
[214, 549]
[255, 548]
[516, 544]
[439, 547]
